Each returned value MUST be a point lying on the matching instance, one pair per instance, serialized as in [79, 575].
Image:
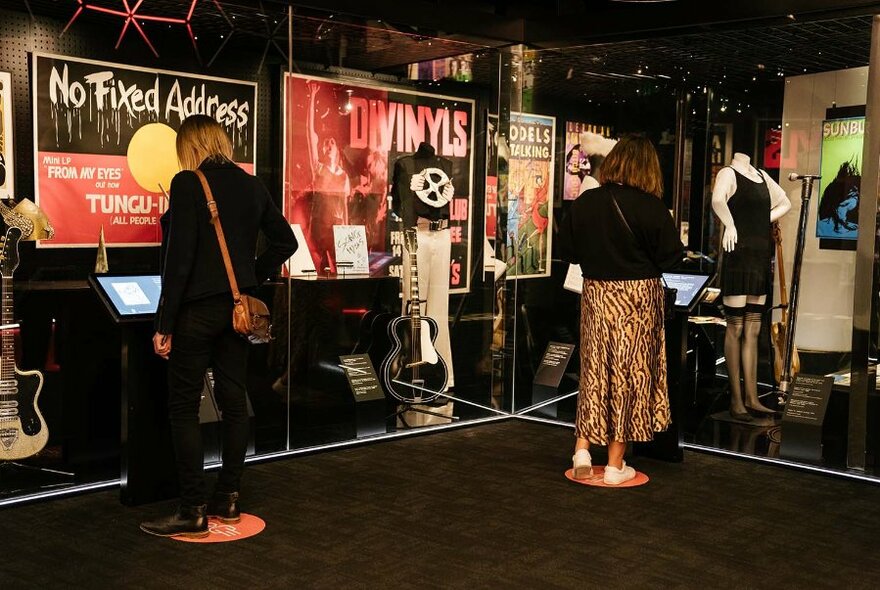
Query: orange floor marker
[249, 526]
[596, 481]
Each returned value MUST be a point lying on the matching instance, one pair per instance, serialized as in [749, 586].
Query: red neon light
[131, 16]
[355, 310]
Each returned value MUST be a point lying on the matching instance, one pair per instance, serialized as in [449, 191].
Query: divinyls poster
[104, 141]
[7, 157]
[341, 142]
[842, 142]
[530, 194]
[579, 163]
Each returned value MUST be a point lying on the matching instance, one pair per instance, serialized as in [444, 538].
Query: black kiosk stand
[146, 456]
[691, 288]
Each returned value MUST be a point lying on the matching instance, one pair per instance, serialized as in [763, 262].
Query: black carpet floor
[481, 507]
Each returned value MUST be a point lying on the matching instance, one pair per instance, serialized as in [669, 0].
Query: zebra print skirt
[623, 394]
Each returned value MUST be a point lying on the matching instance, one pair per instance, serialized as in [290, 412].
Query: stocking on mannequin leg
[733, 356]
[751, 331]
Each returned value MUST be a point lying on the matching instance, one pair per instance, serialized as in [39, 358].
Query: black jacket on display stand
[404, 200]
[192, 267]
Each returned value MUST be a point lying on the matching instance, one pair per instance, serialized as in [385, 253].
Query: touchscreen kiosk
[129, 297]
[690, 288]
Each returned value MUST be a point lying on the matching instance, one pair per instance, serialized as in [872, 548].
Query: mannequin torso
[726, 184]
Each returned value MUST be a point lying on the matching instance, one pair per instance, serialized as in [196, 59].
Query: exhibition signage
[553, 364]
[804, 416]
[104, 137]
[361, 377]
[530, 194]
[341, 141]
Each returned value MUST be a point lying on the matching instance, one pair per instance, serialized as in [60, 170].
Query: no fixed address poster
[104, 140]
[341, 142]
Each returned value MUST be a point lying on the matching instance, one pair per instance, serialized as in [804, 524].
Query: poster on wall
[838, 210]
[341, 142]
[530, 190]
[104, 139]
[580, 166]
[7, 161]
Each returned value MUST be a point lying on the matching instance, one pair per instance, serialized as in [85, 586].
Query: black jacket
[192, 267]
[404, 200]
[594, 236]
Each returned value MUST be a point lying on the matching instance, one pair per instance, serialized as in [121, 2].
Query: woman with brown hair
[194, 320]
[623, 237]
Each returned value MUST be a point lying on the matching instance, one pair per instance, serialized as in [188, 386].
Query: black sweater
[192, 265]
[593, 235]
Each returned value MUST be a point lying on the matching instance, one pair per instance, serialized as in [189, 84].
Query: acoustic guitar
[778, 330]
[23, 430]
[413, 372]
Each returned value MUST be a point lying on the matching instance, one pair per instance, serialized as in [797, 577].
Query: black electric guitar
[23, 430]
[413, 372]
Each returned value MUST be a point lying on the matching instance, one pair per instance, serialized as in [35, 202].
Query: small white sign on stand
[301, 263]
[574, 281]
[351, 249]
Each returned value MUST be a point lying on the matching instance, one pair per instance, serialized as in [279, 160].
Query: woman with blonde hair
[194, 321]
[623, 237]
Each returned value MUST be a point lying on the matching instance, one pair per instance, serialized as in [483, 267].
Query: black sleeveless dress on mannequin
[744, 270]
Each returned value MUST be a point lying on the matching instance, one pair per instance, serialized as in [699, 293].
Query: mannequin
[742, 199]
[421, 192]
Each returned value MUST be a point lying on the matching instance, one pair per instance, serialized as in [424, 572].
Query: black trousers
[203, 338]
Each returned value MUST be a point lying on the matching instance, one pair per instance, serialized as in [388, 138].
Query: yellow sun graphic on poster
[152, 157]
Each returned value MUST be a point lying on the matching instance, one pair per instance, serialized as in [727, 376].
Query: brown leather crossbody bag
[250, 316]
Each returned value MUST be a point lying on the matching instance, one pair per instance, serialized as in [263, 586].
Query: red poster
[341, 142]
[105, 144]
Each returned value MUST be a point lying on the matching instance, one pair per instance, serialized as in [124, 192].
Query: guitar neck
[415, 313]
[780, 271]
[7, 317]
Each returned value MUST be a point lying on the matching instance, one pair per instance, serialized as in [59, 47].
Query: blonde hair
[633, 162]
[201, 138]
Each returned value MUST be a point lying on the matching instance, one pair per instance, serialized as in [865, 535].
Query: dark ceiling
[739, 62]
[742, 66]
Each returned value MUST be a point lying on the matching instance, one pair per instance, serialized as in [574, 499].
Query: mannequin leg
[753, 317]
[733, 357]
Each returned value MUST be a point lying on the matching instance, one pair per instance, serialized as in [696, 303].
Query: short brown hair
[201, 138]
[633, 162]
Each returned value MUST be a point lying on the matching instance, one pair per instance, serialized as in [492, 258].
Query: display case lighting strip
[782, 463]
[73, 490]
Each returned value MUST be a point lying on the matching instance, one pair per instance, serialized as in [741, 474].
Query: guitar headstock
[9, 251]
[410, 240]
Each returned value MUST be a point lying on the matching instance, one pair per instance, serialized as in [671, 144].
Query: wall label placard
[553, 364]
[361, 377]
[808, 400]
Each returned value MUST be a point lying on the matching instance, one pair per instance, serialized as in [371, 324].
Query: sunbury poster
[341, 142]
[842, 141]
[104, 143]
[530, 194]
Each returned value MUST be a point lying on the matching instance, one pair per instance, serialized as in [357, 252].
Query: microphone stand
[806, 193]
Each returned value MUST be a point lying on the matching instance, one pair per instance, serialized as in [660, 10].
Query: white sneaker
[582, 464]
[614, 476]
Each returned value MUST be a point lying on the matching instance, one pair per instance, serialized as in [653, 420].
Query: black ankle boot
[224, 506]
[189, 521]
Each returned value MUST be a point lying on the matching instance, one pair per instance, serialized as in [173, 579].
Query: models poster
[7, 158]
[579, 162]
[842, 141]
[341, 142]
[104, 143]
[530, 190]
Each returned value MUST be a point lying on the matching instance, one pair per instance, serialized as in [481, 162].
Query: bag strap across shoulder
[628, 228]
[221, 239]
